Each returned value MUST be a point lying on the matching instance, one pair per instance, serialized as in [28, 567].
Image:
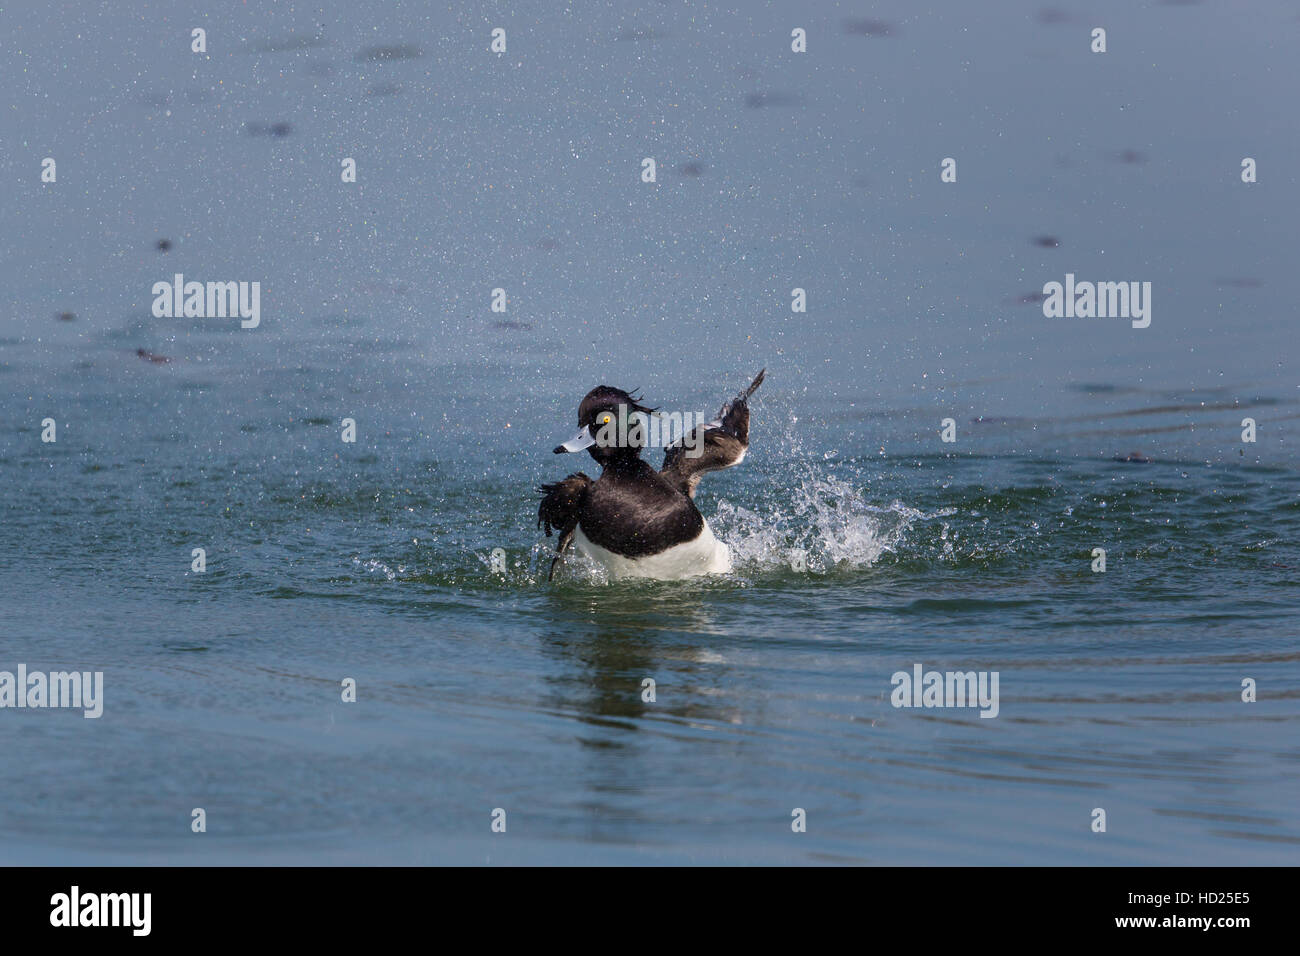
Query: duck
[633, 520]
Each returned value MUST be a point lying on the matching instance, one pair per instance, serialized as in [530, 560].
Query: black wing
[559, 510]
[717, 445]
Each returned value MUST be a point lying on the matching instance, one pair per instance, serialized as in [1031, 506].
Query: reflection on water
[611, 652]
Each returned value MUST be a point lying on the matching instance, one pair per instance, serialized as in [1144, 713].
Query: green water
[481, 689]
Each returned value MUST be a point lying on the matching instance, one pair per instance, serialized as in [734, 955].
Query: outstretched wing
[719, 444]
[559, 510]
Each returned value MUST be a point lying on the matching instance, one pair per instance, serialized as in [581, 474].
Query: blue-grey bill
[578, 442]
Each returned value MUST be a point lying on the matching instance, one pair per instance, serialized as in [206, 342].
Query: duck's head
[611, 425]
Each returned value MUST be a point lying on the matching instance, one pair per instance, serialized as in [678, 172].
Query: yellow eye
[605, 419]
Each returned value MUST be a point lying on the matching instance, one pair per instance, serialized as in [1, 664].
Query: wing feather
[712, 447]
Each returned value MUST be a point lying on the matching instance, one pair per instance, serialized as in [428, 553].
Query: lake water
[864, 544]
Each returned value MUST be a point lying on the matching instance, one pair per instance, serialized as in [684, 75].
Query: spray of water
[823, 524]
[812, 514]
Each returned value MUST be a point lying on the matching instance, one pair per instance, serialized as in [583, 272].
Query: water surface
[864, 544]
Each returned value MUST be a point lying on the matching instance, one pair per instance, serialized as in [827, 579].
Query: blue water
[863, 543]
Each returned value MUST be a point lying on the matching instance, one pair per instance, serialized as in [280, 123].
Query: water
[863, 543]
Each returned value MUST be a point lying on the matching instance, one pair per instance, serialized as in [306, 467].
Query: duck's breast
[704, 554]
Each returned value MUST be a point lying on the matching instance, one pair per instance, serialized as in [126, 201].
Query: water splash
[827, 525]
[375, 566]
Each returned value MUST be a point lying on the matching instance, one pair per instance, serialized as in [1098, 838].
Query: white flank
[705, 555]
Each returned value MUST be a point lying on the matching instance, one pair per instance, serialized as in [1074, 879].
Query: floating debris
[163, 245]
[1135, 457]
[153, 357]
[280, 129]
[694, 169]
[387, 54]
[1047, 242]
[67, 316]
[1095, 388]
